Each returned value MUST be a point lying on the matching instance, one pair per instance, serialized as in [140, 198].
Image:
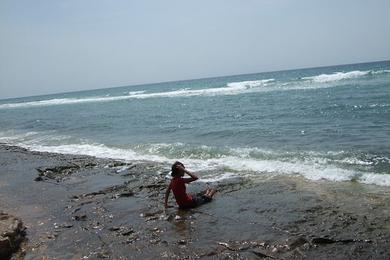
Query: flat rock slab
[107, 209]
[12, 233]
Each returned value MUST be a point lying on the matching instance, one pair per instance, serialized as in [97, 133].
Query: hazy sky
[65, 45]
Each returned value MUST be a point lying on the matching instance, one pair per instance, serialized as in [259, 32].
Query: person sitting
[178, 187]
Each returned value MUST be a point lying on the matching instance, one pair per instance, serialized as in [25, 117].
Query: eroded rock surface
[85, 207]
[12, 233]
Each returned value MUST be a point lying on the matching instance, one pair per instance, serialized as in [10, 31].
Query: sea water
[321, 123]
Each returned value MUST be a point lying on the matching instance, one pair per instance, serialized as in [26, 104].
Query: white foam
[249, 84]
[31, 138]
[379, 105]
[237, 162]
[380, 71]
[309, 170]
[10, 137]
[355, 161]
[231, 89]
[252, 167]
[132, 93]
[216, 178]
[377, 179]
[62, 101]
[323, 78]
[312, 169]
[97, 150]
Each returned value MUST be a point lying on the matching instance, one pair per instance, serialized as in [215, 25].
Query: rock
[64, 225]
[12, 233]
[116, 164]
[76, 209]
[123, 194]
[154, 241]
[39, 178]
[296, 242]
[322, 240]
[151, 218]
[132, 238]
[182, 242]
[103, 255]
[127, 232]
[52, 236]
[114, 228]
[126, 194]
[95, 193]
[57, 172]
[167, 217]
[261, 254]
[80, 217]
[124, 231]
[151, 214]
[90, 164]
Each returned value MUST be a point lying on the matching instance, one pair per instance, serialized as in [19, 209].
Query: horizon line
[183, 80]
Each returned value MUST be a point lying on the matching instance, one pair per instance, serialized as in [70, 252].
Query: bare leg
[210, 192]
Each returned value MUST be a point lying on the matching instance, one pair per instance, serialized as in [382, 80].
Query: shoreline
[85, 207]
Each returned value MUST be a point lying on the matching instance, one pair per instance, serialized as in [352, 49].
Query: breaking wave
[249, 84]
[231, 88]
[337, 76]
[216, 163]
[61, 101]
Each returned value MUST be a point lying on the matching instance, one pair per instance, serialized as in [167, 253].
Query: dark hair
[175, 171]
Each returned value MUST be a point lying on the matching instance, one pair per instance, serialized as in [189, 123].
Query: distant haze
[67, 45]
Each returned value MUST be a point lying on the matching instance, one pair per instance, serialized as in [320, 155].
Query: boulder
[12, 233]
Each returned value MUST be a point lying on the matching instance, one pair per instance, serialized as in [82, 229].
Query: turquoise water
[322, 123]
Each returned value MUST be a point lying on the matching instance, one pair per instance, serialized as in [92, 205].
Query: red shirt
[179, 190]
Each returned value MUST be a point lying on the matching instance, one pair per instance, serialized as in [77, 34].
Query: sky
[53, 46]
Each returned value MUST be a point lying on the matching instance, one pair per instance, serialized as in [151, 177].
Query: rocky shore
[80, 207]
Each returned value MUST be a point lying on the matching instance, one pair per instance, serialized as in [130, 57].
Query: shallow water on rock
[98, 212]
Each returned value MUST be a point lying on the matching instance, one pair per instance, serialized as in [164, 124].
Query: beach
[83, 207]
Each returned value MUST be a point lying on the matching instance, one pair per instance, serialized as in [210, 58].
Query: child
[178, 187]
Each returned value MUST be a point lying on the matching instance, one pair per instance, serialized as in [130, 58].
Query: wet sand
[79, 207]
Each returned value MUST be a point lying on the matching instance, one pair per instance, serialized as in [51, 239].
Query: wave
[337, 76]
[249, 84]
[63, 101]
[376, 72]
[216, 163]
[231, 89]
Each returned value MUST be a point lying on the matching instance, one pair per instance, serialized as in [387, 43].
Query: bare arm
[192, 175]
[167, 192]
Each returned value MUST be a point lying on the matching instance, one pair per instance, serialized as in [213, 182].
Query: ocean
[329, 123]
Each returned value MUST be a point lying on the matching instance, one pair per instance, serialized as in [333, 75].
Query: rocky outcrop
[12, 233]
